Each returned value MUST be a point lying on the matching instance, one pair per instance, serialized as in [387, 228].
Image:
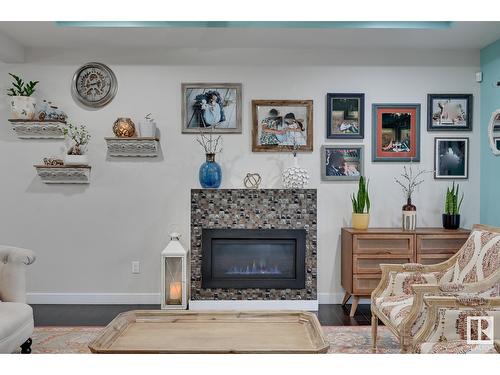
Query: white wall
[86, 236]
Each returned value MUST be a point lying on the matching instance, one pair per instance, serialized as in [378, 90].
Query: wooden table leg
[354, 306]
[346, 298]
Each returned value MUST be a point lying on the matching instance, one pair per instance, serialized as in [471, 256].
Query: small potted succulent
[78, 139]
[22, 104]
[360, 218]
[451, 216]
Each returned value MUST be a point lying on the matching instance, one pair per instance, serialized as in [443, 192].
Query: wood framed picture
[342, 162]
[451, 158]
[345, 116]
[396, 132]
[449, 112]
[282, 125]
[211, 105]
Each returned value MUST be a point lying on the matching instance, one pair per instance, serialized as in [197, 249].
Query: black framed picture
[449, 112]
[451, 158]
[342, 162]
[345, 116]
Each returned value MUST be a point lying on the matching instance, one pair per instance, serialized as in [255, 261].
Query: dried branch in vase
[211, 144]
[410, 180]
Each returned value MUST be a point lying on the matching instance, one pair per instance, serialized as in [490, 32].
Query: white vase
[147, 129]
[22, 107]
[76, 159]
[295, 177]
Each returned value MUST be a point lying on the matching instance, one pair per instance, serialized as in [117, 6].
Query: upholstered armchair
[398, 300]
[16, 317]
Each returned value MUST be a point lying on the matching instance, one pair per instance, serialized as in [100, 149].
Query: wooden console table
[364, 250]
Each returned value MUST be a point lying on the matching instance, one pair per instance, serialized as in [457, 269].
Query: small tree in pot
[22, 104]
[360, 218]
[451, 216]
[78, 138]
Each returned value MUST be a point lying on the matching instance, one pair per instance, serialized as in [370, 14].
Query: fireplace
[253, 258]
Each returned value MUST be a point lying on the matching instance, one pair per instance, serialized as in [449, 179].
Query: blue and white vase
[210, 173]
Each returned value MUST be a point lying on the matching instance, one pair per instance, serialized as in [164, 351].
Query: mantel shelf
[34, 129]
[64, 174]
[133, 147]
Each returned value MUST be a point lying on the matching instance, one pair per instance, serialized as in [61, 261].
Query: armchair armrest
[451, 306]
[9, 254]
[13, 262]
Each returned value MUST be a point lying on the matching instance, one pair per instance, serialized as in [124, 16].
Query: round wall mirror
[494, 132]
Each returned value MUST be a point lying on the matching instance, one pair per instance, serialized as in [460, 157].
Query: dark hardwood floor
[100, 315]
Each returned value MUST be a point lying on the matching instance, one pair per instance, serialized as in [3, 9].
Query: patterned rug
[343, 339]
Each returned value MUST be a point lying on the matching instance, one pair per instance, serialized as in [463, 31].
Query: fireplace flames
[254, 269]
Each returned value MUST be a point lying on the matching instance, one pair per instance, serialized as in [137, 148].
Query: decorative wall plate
[94, 85]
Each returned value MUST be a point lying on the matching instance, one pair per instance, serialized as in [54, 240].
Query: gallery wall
[86, 237]
[490, 101]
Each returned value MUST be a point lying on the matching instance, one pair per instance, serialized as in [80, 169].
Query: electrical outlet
[136, 267]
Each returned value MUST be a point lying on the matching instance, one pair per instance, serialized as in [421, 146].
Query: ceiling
[191, 43]
[461, 35]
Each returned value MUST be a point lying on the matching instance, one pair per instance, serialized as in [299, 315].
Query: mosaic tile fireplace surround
[242, 209]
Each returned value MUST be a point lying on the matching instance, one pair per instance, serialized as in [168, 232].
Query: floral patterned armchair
[398, 300]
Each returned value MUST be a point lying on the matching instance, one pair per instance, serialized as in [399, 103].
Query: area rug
[343, 339]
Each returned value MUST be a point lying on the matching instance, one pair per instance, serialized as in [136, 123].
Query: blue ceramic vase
[210, 173]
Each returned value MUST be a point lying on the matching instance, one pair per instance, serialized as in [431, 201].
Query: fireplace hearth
[253, 258]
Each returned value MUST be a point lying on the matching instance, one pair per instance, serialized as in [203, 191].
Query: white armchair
[16, 317]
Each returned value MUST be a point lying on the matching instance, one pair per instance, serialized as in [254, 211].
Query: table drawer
[383, 244]
[364, 285]
[371, 263]
[433, 258]
[440, 244]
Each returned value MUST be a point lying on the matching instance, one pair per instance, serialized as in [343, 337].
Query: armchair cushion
[397, 308]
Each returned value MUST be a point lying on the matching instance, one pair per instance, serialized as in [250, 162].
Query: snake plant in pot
[360, 218]
[451, 216]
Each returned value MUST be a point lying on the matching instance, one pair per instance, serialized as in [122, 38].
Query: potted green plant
[451, 216]
[360, 218]
[78, 139]
[22, 104]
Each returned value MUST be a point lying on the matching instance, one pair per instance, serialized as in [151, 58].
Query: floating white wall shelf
[135, 147]
[64, 174]
[29, 129]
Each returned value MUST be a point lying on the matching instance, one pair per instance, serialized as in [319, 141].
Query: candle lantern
[174, 275]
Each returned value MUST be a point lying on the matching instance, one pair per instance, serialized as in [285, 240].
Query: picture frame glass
[342, 162]
[279, 125]
[451, 158]
[345, 116]
[396, 133]
[207, 106]
[449, 112]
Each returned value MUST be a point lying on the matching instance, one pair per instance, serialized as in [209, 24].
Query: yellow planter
[360, 221]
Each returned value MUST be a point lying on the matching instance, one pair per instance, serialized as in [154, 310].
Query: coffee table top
[160, 331]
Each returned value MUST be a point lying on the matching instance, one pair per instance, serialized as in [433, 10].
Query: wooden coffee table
[157, 331]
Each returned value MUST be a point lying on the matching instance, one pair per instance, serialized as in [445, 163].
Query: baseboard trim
[93, 298]
[153, 299]
[309, 305]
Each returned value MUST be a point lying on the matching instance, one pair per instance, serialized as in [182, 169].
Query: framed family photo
[342, 162]
[451, 158]
[449, 112]
[282, 125]
[211, 105]
[345, 116]
[396, 132]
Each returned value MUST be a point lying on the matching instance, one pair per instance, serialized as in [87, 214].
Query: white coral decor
[295, 177]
